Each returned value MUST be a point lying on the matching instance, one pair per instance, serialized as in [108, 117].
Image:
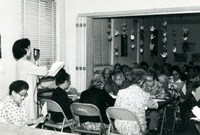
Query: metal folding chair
[114, 113]
[52, 106]
[89, 110]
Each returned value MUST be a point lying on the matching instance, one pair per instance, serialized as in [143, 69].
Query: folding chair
[84, 109]
[114, 113]
[52, 106]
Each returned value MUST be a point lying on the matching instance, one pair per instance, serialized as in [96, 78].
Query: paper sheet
[196, 94]
[55, 68]
[44, 110]
[196, 111]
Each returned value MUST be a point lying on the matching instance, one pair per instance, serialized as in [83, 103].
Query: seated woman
[136, 100]
[12, 107]
[107, 75]
[119, 83]
[60, 95]
[154, 88]
[97, 96]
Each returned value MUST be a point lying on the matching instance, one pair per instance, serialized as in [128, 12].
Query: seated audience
[60, 95]
[119, 83]
[136, 100]
[12, 107]
[97, 96]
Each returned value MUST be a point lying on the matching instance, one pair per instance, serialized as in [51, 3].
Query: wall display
[180, 57]
[196, 57]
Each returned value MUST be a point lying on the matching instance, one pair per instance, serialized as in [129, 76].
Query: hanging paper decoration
[116, 51]
[141, 42]
[116, 33]
[153, 41]
[132, 37]
[174, 36]
[185, 44]
[109, 30]
[164, 54]
[164, 40]
[124, 29]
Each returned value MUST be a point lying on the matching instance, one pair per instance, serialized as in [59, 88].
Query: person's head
[22, 48]
[166, 69]
[144, 65]
[191, 63]
[106, 73]
[124, 68]
[138, 76]
[162, 78]
[117, 67]
[127, 74]
[97, 73]
[190, 71]
[97, 82]
[196, 70]
[119, 78]
[184, 77]
[150, 79]
[135, 65]
[18, 90]
[62, 79]
[176, 72]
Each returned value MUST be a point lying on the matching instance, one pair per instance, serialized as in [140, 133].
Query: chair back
[52, 106]
[85, 109]
[121, 114]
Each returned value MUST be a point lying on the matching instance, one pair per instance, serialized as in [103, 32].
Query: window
[39, 26]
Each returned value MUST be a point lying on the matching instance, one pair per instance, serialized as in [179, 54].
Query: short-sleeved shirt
[11, 113]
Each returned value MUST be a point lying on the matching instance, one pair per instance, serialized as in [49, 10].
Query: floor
[189, 130]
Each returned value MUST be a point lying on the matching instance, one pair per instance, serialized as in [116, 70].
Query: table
[10, 129]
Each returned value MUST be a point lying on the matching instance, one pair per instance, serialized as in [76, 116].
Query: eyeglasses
[24, 95]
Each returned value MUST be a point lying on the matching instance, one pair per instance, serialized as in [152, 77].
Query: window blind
[39, 26]
[102, 48]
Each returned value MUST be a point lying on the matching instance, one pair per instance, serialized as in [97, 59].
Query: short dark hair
[138, 74]
[17, 86]
[177, 69]
[62, 76]
[19, 47]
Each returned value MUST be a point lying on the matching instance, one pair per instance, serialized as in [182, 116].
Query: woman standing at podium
[27, 71]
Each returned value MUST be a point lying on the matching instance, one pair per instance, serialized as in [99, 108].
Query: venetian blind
[102, 51]
[39, 26]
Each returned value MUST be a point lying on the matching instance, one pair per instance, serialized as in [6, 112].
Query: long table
[10, 129]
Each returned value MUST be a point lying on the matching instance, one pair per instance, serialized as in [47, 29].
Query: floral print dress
[136, 100]
[11, 113]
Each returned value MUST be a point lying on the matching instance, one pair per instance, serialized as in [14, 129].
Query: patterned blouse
[11, 113]
[156, 90]
[136, 100]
